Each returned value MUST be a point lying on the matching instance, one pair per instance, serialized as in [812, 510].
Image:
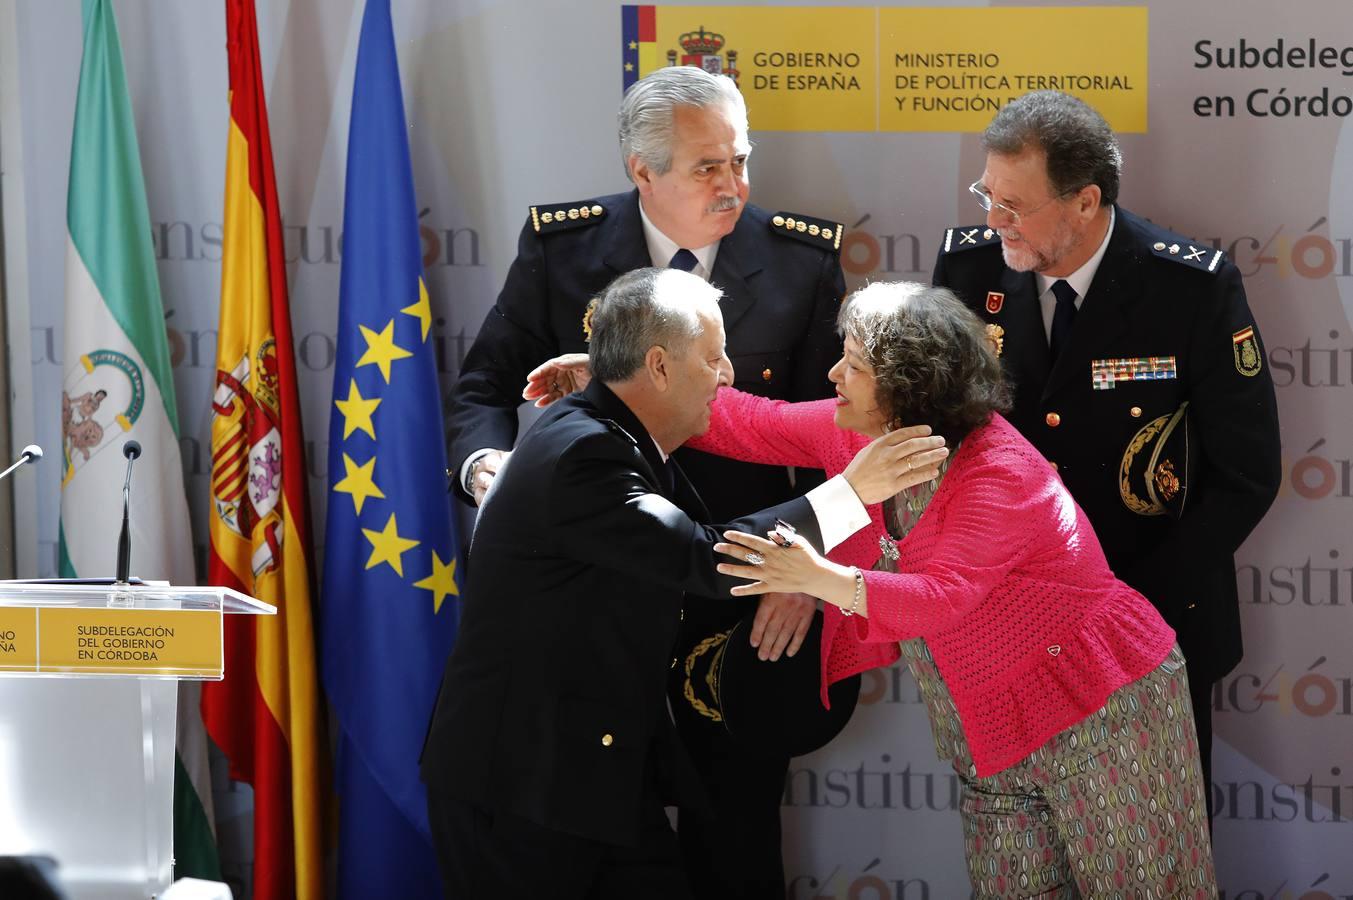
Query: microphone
[31, 453]
[131, 450]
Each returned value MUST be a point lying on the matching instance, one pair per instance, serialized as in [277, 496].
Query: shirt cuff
[469, 461]
[838, 509]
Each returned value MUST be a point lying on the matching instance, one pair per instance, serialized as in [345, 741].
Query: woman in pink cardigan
[1057, 691]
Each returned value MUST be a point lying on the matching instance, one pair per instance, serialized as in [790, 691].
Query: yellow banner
[907, 69]
[953, 69]
[18, 639]
[800, 68]
[179, 642]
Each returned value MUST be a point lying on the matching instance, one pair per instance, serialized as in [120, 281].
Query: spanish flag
[264, 715]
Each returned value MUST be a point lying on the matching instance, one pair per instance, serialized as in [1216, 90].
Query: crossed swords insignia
[1195, 254]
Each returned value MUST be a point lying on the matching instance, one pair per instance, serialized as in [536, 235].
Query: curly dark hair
[933, 364]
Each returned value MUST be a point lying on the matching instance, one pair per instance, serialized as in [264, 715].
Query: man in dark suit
[551, 753]
[1137, 366]
[683, 137]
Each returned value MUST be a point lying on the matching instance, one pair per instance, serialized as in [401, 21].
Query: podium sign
[88, 709]
[184, 643]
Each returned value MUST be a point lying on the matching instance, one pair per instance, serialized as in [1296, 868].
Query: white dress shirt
[1079, 280]
[661, 248]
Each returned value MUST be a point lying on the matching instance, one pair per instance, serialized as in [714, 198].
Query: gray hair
[641, 309]
[648, 109]
[1080, 146]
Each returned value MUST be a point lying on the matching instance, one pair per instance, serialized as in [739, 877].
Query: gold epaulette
[818, 232]
[562, 216]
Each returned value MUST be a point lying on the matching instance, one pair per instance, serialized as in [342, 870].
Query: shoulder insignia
[818, 232]
[562, 216]
[967, 237]
[1197, 256]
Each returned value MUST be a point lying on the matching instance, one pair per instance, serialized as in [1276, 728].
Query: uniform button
[607, 740]
[766, 374]
[1053, 419]
[1135, 412]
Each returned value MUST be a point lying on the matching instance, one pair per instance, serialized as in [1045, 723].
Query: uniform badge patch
[1246, 351]
[995, 300]
[995, 336]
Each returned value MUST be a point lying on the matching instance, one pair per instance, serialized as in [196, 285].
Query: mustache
[731, 201]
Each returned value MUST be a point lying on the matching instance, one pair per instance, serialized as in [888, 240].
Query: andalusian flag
[390, 567]
[119, 385]
[265, 714]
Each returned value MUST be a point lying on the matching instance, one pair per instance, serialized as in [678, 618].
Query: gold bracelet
[859, 593]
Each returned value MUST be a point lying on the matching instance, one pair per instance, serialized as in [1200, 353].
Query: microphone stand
[121, 597]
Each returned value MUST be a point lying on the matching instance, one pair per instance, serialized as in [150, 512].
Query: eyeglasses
[979, 190]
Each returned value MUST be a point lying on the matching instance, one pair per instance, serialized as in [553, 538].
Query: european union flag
[388, 620]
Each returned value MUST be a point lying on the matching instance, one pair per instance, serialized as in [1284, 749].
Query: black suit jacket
[553, 704]
[781, 296]
[1144, 301]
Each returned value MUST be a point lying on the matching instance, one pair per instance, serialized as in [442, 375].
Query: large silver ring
[910, 463]
[755, 559]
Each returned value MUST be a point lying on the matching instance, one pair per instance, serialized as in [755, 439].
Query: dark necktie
[684, 260]
[1063, 317]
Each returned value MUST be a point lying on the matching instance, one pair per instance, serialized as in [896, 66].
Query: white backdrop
[512, 103]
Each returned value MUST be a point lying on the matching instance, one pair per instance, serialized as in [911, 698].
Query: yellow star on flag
[381, 349]
[422, 310]
[634, 45]
[629, 67]
[359, 481]
[441, 582]
[388, 547]
[357, 411]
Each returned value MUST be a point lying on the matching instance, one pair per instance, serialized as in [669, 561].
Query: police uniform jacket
[781, 287]
[553, 702]
[1164, 323]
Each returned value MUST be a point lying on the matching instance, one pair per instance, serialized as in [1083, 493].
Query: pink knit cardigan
[1002, 575]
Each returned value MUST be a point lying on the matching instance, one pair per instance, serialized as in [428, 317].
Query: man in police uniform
[1137, 367]
[683, 139]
